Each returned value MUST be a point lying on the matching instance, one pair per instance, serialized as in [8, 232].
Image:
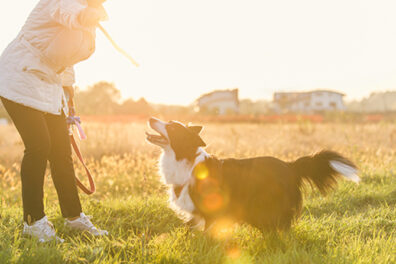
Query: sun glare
[201, 171]
[260, 61]
[234, 253]
[222, 229]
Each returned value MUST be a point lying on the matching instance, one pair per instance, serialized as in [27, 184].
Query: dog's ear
[200, 142]
[195, 129]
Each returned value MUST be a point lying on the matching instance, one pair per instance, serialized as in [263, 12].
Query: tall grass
[354, 224]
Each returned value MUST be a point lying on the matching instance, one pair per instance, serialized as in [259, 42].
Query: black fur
[314, 168]
[184, 140]
[264, 192]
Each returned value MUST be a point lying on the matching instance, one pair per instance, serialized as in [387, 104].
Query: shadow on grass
[148, 231]
[353, 205]
[32, 251]
[154, 232]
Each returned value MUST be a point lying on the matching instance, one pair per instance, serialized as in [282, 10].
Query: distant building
[308, 102]
[219, 102]
[378, 102]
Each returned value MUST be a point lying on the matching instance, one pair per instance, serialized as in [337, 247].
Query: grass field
[353, 224]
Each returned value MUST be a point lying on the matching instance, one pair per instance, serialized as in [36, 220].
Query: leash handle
[75, 120]
[92, 187]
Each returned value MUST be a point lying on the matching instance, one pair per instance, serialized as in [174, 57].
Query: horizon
[187, 49]
[266, 100]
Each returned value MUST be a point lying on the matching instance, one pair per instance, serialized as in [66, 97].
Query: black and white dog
[264, 192]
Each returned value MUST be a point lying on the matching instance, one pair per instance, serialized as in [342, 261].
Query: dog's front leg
[209, 224]
[197, 222]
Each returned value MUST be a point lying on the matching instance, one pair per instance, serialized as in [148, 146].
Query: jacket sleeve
[66, 12]
[68, 77]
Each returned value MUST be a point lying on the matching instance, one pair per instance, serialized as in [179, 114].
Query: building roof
[233, 91]
[312, 92]
[297, 97]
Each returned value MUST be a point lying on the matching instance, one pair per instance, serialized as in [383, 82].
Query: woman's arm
[68, 80]
[67, 76]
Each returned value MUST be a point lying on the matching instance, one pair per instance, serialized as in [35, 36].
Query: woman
[35, 71]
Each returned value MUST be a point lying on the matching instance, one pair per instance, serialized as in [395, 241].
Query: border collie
[264, 192]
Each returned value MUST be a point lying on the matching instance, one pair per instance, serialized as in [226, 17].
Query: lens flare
[234, 253]
[222, 228]
[201, 171]
[213, 202]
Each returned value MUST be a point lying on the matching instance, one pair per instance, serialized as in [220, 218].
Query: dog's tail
[323, 169]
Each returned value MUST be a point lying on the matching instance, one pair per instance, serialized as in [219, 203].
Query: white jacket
[35, 65]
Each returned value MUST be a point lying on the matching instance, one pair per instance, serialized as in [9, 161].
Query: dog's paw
[196, 223]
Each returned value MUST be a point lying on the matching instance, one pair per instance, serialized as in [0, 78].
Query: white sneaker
[83, 223]
[43, 230]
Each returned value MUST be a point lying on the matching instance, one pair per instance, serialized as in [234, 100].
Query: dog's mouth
[157, 139]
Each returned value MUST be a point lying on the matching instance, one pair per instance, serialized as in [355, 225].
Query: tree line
[103, 98]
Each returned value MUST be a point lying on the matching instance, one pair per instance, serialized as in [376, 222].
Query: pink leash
[75, 120]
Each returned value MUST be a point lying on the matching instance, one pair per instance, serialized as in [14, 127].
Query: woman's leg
[62, 170]
[32, 127]
[64, 177]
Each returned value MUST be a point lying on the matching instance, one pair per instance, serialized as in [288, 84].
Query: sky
[187, 48]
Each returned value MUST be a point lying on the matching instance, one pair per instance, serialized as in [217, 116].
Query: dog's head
[184, 140]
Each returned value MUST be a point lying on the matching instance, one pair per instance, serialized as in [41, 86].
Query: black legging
[45, 137]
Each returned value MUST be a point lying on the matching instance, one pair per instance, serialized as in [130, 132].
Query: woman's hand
[95, 3]
[91, 16]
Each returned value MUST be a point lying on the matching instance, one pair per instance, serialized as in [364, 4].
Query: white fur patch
[183, 205]
[174, 171]
[202, 155]
[180, 173]
[345, 170]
